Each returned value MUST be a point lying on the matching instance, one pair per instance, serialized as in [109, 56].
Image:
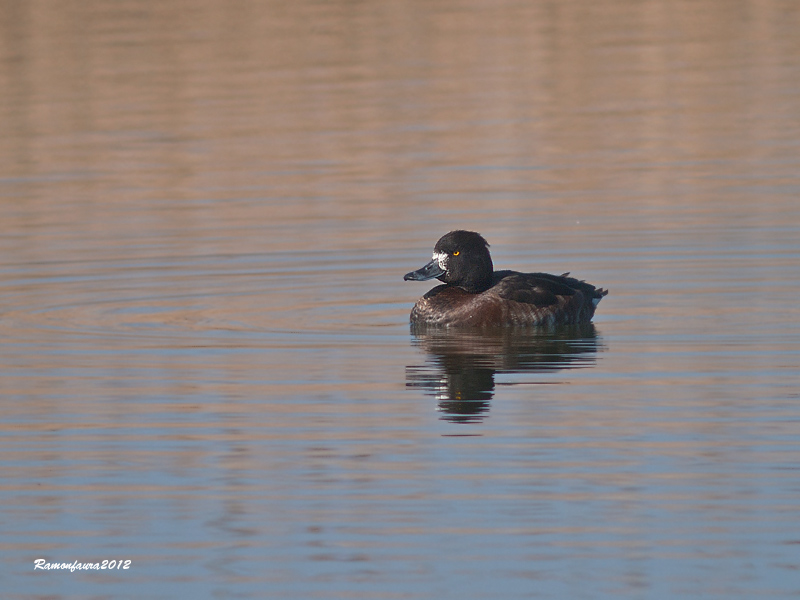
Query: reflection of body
[474, 294]
[462, 363]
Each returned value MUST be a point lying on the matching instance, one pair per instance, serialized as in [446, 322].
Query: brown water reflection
[207, 207]
[461, 366]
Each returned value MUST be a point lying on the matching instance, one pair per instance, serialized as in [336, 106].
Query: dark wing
[537, 289]
[590, 292]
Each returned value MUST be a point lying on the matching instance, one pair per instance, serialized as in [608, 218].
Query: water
[206, 365]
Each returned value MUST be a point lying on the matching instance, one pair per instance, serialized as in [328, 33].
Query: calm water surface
[206, 366]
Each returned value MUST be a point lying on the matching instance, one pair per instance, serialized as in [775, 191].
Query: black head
[460, 258]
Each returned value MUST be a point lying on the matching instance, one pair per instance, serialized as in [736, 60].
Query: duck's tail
[598, 295]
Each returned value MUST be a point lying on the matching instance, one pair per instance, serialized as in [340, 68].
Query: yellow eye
[456, 253]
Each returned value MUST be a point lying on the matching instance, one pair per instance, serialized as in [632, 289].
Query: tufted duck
[474, 294]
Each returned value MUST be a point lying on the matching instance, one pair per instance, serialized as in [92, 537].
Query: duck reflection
[461, 365]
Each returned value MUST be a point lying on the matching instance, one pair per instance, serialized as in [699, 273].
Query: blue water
[206, 366]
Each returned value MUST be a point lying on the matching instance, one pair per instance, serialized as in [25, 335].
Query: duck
[473, 294]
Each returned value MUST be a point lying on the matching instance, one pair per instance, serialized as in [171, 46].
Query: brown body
[517, 299]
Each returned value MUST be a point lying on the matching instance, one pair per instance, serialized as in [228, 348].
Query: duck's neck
[477, 283]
